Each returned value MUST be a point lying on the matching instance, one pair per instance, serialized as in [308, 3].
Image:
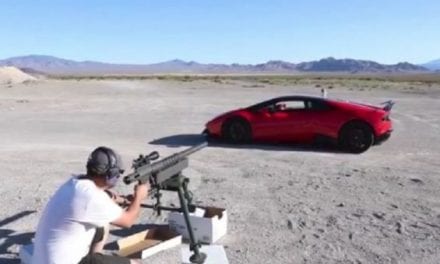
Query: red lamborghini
[304, 119]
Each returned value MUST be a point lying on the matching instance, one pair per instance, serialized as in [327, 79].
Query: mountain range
[58, 66]
[432, 65]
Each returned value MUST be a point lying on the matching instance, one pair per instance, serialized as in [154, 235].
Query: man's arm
[122, 200]
[129, 216]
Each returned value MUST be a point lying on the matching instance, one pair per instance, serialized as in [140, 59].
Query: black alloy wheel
[356, 137]
[237, 131]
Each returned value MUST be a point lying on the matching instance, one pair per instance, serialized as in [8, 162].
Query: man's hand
[113, 195]
[132, 213]
[119, 199]
[141, 191]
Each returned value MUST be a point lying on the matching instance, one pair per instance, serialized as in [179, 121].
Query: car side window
[317, 105]
[291, 105]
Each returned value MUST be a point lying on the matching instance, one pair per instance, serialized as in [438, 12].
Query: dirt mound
[12, 75]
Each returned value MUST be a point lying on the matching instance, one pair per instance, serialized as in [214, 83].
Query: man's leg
[97, 247]
[98, 258]
[99, 239]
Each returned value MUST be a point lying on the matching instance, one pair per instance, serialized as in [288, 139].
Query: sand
[13, 75]
[286, 204]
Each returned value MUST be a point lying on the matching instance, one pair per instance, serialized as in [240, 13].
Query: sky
[228, 31]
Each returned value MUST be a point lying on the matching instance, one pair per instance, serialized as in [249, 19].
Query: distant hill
[432, 65]
[12, 75]
[59, 66]
[350, 65]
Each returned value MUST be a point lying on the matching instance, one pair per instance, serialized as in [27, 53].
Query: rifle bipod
[185, 200]
[179, 184]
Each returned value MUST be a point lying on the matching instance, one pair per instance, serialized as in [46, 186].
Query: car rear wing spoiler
[388, 105]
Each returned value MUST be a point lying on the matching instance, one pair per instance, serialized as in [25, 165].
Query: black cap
[102, 160]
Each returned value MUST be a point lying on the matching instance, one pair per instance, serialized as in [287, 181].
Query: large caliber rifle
[166, 175]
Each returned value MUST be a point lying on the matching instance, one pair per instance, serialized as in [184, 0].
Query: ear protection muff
[103, 161]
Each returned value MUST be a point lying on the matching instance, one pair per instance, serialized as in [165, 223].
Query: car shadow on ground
[194, 139]
[12, 237]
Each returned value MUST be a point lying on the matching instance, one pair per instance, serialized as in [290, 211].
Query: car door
[281, 121]
[297, 127]
[295, 120]
[268, 122]
[306, 119]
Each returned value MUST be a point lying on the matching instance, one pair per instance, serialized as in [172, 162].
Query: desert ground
[286, 204]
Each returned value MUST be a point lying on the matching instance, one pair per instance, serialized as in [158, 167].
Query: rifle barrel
[162, 164]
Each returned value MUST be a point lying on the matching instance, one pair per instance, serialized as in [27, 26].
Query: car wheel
[356, 137]
[237, 130]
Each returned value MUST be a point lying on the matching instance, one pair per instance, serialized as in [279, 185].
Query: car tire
[356, 137]
[237, 131]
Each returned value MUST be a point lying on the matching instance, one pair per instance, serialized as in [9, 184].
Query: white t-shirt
[69, 221]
